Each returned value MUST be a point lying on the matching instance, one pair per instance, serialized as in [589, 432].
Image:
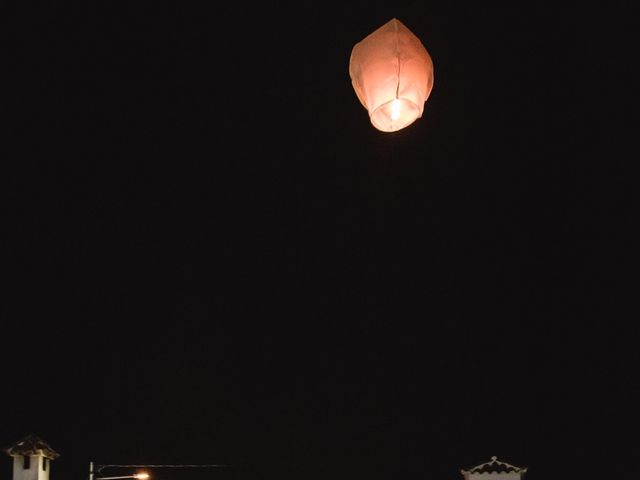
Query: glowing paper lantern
[392, 74]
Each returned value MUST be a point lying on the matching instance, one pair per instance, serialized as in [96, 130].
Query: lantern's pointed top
[396, 23]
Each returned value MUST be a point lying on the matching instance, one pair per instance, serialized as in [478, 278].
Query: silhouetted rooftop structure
[494, 466]
[32, 445]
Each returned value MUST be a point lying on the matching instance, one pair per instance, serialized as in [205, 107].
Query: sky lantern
[392, 74]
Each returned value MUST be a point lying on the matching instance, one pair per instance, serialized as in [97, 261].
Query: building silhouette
[32, 458]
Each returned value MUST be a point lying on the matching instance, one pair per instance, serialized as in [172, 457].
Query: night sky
[211, 256]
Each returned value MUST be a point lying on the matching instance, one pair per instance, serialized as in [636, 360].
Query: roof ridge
[31, 445]
[485, 467]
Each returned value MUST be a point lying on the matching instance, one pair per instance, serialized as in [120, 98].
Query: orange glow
[392, 75]
[141, 476]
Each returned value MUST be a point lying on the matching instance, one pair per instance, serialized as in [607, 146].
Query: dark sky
[211, 256]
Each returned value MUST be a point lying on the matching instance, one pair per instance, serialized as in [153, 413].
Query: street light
[139, 476]
[142, 476]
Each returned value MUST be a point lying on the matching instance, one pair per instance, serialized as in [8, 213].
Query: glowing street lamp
[139, 475]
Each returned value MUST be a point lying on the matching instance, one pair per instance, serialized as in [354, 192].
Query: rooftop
[495, 466]
[32, 445]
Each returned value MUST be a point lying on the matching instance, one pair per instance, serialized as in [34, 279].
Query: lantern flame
[395, 109]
